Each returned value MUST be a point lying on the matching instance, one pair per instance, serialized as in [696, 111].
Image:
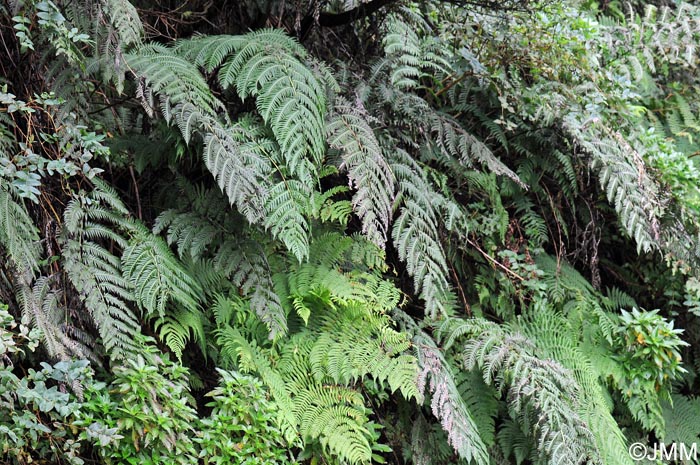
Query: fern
[285, 208]
[189, 101]
[681, 419]
[410, 57]
[95, 272]
[344, 339]
[156, 276]
[626, 182]
[289, 97]
[415, 236]
[540, 394]
[125, 20]
[367, 169]
[174, 77]
[42, 309]
[556, 340]
[447, 403]
[206, 230]
[18, 235]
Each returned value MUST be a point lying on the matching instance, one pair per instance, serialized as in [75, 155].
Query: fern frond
[126, 21]
[541, 395]
[156, 275]
[166, 73]
[556, 340]
[41, 308]
[415, 235]
[18, 235]
[285, 208]
[368, 171]
[447, 403]
[95, 272]
[410, 57]
[682, 419]
[178, 326]
[290, 99]
[250, 358]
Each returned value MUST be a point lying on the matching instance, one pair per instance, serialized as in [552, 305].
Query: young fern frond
[178, 326]
[249, 358]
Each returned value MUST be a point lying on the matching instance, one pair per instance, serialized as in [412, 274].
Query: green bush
[37, 410]
[242, 427]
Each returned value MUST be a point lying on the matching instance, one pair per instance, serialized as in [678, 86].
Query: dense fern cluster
[412, 232]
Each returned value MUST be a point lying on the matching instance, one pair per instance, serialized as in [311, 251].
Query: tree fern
[341, 337]
[627, 184]
[190, 102]
[681, 419]
[285, 207]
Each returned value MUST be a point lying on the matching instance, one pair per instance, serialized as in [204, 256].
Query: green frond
[626, 181]
[368, 172]
[42, 309]
[541, 395]
[125, 20]
[18, 234]
[156, 275]
[236, 170]
[447, 403]
[95, 272]
[285, 208]
[415, 236]
[177, 79]
[556, 340]
[249, 358]
[178, 327]
[289, 97]
[411, 58]
[682, 419]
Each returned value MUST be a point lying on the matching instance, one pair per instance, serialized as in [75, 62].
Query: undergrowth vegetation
[348, 232]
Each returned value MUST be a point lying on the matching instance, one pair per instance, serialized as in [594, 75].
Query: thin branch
[340, 19]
